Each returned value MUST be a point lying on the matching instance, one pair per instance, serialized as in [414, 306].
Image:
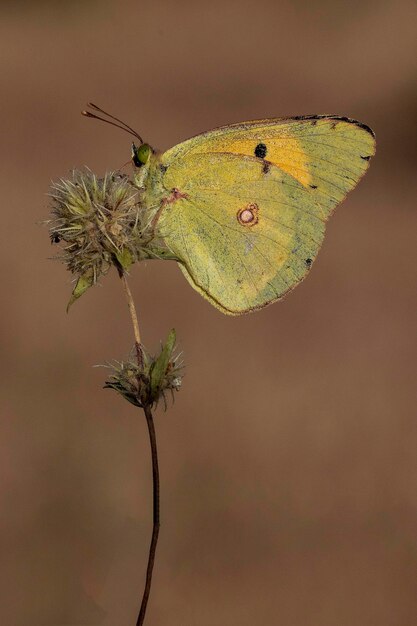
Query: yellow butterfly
[243, 208]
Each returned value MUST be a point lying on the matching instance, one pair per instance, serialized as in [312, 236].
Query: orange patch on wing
[284, 151]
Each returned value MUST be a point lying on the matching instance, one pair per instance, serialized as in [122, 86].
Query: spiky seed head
[99, 222]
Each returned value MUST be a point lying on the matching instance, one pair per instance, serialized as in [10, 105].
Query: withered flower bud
[146, 383]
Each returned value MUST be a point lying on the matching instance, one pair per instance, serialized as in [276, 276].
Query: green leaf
[160, 366]
[125, 258]
[83, 283]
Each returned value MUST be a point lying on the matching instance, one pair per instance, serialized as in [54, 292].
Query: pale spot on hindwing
[248, 215]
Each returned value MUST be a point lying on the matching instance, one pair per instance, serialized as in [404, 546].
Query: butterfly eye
[141, 154]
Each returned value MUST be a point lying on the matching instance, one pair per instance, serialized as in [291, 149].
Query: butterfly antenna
[96, 117]
[122, 125]
[96, 108]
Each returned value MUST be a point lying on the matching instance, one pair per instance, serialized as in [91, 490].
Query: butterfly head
[141, 154]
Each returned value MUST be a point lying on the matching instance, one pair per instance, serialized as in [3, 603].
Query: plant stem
[133, 315]
[154, 453]
[156, 519]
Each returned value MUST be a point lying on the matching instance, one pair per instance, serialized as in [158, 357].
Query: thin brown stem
[134, 316]
[156, 519]
[154, 454]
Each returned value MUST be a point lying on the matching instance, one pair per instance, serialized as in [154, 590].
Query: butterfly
[243, 208]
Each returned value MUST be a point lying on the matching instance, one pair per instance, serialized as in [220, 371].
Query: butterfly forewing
[252, 202]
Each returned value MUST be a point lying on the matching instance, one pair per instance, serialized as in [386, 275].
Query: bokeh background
[288, 462]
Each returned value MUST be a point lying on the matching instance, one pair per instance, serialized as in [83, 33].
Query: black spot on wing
[260, 151]
[163, 168]
[266, 167]
[366, 158]
[313, 186]
[309, 262]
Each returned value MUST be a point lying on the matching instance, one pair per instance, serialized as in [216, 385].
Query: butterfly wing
[248, 213]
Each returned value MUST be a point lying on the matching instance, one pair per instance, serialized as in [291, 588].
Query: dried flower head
[100, 222]
[145, 384]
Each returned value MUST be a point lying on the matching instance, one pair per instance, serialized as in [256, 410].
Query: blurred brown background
[288, 463]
